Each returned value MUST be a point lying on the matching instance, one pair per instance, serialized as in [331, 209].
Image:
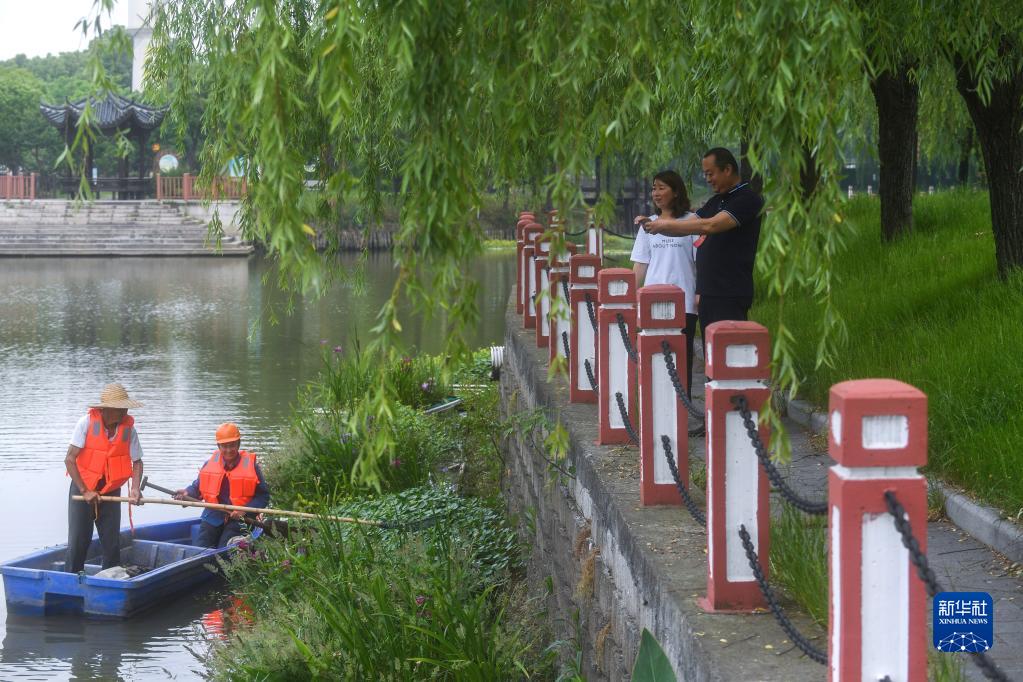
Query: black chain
[589, 309]
[695, 511]
[625, 338]
[589, 375]
[564, 290]
[806, 506]
[564, 342]
[623, 236]
[677, 383]
[923, 569]
[625, 418]
[812, 652]
[576, 234]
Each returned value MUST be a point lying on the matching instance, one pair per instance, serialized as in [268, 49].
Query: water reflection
[192, 339]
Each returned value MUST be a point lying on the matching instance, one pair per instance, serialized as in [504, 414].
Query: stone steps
[110, 228]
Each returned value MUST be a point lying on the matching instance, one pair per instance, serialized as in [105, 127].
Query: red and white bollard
[529, 235]
[520, 243]
[616, 292]
[582, 283]
[662, 318]
[542, 301]
[878, 612]
[737, 355]
[560, 317]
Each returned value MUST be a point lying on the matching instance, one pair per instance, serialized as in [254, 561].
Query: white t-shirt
[670, 260]
[82, 427]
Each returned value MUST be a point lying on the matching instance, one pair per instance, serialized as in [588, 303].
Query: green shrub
[368, 603]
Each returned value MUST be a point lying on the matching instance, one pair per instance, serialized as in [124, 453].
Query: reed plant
[929, 310]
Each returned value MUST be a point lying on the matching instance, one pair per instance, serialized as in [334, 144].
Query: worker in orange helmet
[230, 476]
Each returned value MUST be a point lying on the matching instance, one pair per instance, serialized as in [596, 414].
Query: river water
[194, 340]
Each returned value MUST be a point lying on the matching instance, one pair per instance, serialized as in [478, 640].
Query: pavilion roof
[110, 113]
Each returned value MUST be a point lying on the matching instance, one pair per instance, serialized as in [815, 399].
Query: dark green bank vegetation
[438, 593]
[929, 309]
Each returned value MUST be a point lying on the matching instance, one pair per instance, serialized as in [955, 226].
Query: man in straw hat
[104, 453]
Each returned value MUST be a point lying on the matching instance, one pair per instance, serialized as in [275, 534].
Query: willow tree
[984, 43]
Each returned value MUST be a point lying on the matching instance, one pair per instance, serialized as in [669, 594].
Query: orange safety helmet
[228, 433]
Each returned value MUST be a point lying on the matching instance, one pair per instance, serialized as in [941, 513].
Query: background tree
[22, 127]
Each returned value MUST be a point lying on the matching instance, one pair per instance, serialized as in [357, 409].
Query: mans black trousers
[718, 308]
[690, 336]
[80, 520]
[218, 536]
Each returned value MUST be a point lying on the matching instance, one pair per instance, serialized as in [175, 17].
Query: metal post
[662, 318]
[737, 355]
[582, 279]
[616, 292]
[878, 620]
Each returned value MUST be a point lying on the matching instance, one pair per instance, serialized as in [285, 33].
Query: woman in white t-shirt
[658, 259]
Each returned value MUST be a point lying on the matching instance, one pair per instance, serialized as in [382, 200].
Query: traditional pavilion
[111, 114]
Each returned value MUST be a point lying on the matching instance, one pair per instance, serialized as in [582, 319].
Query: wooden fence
[185, 188]
[18, 186]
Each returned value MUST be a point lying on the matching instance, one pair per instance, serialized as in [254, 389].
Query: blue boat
[36, 583]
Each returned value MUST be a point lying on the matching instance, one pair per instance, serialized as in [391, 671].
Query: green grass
[931, 311]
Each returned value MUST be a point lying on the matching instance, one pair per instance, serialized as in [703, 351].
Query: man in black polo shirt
[730, 221]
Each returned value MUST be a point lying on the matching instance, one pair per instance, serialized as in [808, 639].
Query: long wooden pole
[234, 507]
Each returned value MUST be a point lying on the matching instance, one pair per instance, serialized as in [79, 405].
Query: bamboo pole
[233, 507]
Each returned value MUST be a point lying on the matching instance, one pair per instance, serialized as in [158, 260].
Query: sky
[38, 27]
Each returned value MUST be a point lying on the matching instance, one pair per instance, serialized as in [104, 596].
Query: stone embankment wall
[608, 567]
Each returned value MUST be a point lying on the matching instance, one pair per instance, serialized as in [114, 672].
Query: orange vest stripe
[242, 479]
[105, 458]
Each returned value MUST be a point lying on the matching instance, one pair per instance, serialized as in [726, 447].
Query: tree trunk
[756, 183]
[964, 157]
[808, 175]
[897, 97]
[998, 125]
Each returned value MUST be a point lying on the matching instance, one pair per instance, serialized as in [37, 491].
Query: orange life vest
[242, 479]
[105, 458]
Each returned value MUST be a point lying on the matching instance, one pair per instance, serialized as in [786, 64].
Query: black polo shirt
[724, 261]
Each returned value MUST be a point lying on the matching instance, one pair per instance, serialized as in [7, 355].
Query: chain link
[616, 234]
[694, 511]
[576, 234]
[625, 419]
[625, 338]
[564, 342]
[589, 375]
[677, 383]
[589, 309]
[564, 290]
[926, 573]
[805, 506]
[812, 652]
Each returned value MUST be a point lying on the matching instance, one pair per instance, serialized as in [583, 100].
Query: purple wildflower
[323, 342]
[337, 349]
[243, 544]
[286, 565]
[395, 462]
[421, 599]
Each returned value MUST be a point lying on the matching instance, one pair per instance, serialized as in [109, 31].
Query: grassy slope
[931, 311]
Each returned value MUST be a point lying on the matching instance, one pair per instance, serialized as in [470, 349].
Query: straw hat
[114, 395]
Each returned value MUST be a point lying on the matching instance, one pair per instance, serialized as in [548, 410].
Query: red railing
[18, 186]
[185, 188]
